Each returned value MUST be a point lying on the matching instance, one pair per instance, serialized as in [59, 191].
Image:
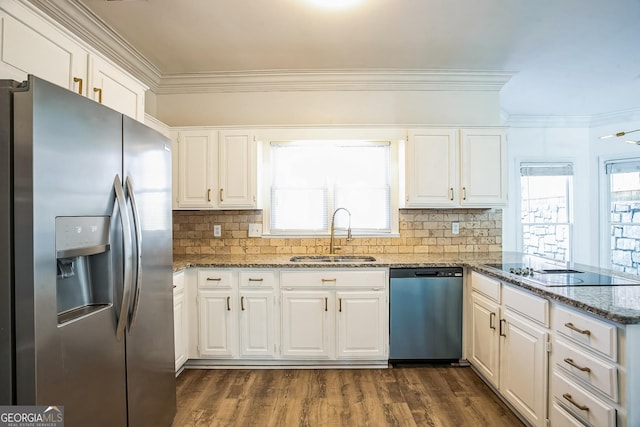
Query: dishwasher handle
[426, 274]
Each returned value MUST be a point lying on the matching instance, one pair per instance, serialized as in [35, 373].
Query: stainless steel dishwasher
[425, 314]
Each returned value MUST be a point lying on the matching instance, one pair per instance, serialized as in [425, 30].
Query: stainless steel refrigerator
[86, 312]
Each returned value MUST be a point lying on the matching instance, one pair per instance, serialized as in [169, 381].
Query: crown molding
[632, 115]
[343, 80]
[531, 121]
[81, 21]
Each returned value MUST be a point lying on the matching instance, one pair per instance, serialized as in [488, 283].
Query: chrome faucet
[332, 247]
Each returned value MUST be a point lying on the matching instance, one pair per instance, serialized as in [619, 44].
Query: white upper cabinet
[112, 87]
[432, 159]
[237, 169]
[483, 167]
[33, 44]
[216, 169]
[448, 168]
[197, 159]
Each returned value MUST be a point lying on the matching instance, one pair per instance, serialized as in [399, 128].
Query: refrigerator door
[67, 152]
[7, 380]
[150, 350]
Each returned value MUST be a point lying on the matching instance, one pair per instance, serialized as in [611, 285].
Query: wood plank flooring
[402, 396]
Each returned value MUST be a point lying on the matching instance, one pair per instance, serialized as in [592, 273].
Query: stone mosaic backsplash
[421, 231]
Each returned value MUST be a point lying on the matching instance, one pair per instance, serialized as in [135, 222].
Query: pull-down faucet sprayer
[332, 247]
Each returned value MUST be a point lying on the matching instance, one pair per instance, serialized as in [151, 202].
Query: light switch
[217, 230]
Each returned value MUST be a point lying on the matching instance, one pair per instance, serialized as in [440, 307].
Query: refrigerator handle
[138, 240]
[126, 236]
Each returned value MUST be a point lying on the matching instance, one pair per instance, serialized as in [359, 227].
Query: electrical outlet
[455, 228]
[217, 230]
[255, 230]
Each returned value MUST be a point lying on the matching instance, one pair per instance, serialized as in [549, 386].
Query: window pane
[546, 209]
[551, 241]
[306, 176]
[625, 221]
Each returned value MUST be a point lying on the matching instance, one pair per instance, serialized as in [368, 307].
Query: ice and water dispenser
[83, 283]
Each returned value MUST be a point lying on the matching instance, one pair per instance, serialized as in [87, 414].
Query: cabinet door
[307, 324]
[218, 328]
[180, 330]
[431, 168]
[257, 321]
[484, 352]
[197, 157]
[524, 367]
[483, 163]
[32, 46]
[362, 324]
[237, 170]
[112, 87]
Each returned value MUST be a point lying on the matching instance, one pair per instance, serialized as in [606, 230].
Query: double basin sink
[332, 258]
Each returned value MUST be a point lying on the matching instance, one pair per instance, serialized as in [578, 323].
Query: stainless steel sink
[338, 258]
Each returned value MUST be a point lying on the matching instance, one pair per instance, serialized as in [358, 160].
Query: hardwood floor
[401, 396]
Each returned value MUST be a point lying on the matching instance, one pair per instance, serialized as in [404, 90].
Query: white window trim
[518, 198]
[394, 171]
[604, 236]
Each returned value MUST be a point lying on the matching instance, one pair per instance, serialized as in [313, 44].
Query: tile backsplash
[421, 231]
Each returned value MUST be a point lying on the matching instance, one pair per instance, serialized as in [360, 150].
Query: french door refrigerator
[86, 312]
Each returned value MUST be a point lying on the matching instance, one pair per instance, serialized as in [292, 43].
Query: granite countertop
[620, 304]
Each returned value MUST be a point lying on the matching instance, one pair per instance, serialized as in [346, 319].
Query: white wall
[443, 107]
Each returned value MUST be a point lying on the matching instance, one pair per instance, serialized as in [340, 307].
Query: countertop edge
[476, 265]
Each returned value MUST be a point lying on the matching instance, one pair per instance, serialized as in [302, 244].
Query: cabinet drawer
[257, 279]
[595, 334]
[531, 306]
[375, 279]
[215, 278]
[486, 286]
[178, 282]
[582, 404]
[596, 373]
[561, 418]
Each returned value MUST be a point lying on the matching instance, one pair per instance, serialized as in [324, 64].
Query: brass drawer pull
[208, 194]
[228, 303]
[328, 280]
[340, 305]
[580, 331]
[326, 304]
[450, 193]
[213, 279]
[575, 365]
[492, 321]
[222, 194]
[242, 303]
[568, 397]
[99, 92]
[256, 280]
[502, 333]
[79, 81]
[464, 193]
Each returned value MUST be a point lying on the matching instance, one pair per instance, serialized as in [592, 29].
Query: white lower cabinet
[180, 324]
[218, 325]
[307, 324]
[236, 312]
[509, 343]
[257, 320]
[524, 366]
[361, 325]
[332, 314]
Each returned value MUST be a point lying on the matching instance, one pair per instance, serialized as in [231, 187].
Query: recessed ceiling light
[334, 4]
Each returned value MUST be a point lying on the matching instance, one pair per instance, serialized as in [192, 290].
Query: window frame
[393, 197]
[604, 232]
[518, 210]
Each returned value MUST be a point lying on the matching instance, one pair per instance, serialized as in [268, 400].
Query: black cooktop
[554, 276]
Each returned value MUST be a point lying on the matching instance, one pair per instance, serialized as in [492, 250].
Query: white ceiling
[570, 57]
